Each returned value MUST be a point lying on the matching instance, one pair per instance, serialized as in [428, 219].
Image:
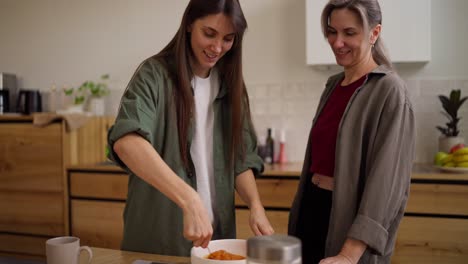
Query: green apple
[439, 158]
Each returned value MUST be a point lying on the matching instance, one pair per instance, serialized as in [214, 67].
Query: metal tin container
[8, 83]
[274, 249]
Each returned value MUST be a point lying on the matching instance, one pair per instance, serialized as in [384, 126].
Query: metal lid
[281, 248]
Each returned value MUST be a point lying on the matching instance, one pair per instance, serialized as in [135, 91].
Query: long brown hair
[230, 68]
[370, 15]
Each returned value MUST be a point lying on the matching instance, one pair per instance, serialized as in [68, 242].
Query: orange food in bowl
[224, 255]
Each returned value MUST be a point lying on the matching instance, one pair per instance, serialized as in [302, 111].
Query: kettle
[29, 101]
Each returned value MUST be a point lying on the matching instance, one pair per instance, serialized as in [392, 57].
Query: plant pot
[446, 143]
[75, 108]
[96, 106]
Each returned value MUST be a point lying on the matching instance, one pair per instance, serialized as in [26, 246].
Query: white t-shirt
[201, 149]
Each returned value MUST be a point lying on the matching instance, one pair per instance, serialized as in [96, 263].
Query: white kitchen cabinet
[406, 31]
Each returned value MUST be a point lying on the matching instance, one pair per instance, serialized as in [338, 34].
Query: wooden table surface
[112, 256]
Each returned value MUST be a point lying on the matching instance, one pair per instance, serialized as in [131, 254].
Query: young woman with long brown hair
[184, 134]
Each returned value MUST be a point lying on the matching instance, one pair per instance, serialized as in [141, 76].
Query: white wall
[66, 42]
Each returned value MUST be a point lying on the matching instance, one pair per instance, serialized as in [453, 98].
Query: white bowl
[234, 246]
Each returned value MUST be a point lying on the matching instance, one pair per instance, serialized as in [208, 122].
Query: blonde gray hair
[370, 15]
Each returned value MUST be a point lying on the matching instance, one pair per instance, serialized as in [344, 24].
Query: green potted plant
[89, 95]
[77, 97]
[450, 131]
[97, 91]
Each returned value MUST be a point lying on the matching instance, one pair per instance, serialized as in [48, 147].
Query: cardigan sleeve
[388, 174]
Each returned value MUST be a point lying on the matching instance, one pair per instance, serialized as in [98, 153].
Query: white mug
[66, 249]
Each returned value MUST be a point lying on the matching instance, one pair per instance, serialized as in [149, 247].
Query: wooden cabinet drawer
[429, 240]
[16, 245]
[31, 158]
[99, 185]
[97, 223]
[438, 199]
[33, 213]
[278, 219]
[100, 224]
[275, 192]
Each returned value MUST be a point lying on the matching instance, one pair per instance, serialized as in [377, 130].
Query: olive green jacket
[152, 222]
[374, 157]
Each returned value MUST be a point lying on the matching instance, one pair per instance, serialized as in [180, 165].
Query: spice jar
[274, 249]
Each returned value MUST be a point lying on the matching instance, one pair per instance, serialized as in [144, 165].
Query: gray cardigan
[374, 156]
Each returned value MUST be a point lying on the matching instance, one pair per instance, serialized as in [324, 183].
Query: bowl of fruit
[456, 160]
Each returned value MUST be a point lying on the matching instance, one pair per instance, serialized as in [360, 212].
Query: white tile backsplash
[414, 89]
[294, 91]
[426, 104]
[463, 86]
[259, 107]
[274, 91]
[257, 91]
[436, 87]
[299, 102]
[275, 106]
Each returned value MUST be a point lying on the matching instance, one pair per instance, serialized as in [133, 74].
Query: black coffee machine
[29, 101]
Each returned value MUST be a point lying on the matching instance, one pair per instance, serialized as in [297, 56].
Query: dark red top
[325, 130]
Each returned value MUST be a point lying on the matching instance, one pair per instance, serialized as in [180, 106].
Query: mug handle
[90, 252]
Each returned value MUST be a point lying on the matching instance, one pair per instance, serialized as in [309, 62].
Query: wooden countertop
[429, 172]
[112, 256]
[289, 169]
[8, 117]
[420, 171]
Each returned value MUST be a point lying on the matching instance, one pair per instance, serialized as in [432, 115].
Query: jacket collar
[223, 89]
[381, 69]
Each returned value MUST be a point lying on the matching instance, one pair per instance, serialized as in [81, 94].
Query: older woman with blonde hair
[356, 176]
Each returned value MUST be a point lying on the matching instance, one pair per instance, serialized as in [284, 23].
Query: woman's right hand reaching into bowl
[197, 224]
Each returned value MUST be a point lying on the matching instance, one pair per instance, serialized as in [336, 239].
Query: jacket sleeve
[251, 159]
[137, 109]
[388, 174]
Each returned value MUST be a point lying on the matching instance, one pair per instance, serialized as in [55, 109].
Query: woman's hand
[259, 222]
[338, 259]
[247, 190]
[350, 253]
[197, 224]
